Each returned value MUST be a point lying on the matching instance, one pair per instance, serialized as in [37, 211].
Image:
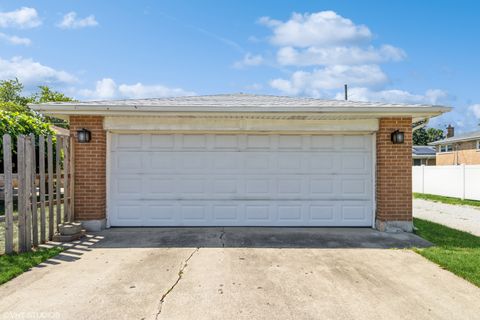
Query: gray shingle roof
[234, 100]
[474, 135]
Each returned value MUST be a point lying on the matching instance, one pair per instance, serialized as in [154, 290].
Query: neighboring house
[242, 160]
[460, 149]
[423, 155]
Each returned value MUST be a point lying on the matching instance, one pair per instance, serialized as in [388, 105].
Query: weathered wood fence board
[41, 168]
[51, 229]
[22, 190]
[28, 193]
[51, 186]
[58, 169]
[7, 162]
[33, 177]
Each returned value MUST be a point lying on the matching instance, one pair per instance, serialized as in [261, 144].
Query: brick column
[394, 176]
[90, 172]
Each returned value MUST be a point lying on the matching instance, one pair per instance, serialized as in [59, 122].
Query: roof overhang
[429, 156]
[453, 140]
[275, 112]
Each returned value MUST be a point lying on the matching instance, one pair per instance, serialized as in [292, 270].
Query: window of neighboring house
[417, 162]
[446, 148]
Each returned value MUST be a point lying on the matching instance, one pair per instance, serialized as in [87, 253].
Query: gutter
[106, 110]
[436, 143]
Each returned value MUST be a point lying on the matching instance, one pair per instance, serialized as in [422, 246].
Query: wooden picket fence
[44, 199]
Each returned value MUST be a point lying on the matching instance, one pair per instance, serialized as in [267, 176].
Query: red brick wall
[394, 171]
[90, 169]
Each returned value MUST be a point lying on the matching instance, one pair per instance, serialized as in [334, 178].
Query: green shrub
[15, 124]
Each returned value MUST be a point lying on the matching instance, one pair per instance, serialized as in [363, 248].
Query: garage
[190, 179]
[241, 160]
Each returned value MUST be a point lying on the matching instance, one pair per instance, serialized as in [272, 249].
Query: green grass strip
[453, 250]
[447, 200]
[16, 264]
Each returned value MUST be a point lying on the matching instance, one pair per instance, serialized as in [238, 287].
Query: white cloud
[31, 73]
[331, 50]
[316, 29]
[139, 90]
[21, 18]
[319, 81]
[15, 40]
[338, 55]
[249, 60]
[108, 89]
[104, 89]
[432, 96]
[475, 109]
[70, 21]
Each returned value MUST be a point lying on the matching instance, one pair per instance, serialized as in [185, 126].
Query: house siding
[90, 169]
[394, 176]
[464, 153]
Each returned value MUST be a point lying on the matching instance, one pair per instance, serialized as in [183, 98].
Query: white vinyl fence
[461, 181]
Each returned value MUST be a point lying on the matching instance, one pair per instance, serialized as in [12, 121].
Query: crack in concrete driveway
[222, 234]
[180, 274]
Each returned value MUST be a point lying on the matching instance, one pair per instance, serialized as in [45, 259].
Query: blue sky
[395, 51]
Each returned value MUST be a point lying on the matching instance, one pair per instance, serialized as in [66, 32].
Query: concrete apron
[235, 273]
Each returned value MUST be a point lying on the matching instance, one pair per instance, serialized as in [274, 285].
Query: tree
[48, 95]
[11, 90]
[12, 100]
[422, 136]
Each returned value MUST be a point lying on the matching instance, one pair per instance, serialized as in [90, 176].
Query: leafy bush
[15, 124]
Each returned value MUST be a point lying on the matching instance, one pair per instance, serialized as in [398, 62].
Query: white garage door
[240, 180]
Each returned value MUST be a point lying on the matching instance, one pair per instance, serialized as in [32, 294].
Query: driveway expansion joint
[180, 274]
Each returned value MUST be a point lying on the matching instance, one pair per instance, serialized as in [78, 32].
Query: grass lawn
[15, 228]
[447, 200]
[454, 250]
[16, 264]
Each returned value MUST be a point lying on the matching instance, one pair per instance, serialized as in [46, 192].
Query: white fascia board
[115, 110]
[168, 124]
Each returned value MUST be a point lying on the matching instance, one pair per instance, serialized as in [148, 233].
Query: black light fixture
[397, 137]
[84, 135]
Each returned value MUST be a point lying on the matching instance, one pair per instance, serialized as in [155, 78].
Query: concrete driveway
[466, 218]
[235, 273]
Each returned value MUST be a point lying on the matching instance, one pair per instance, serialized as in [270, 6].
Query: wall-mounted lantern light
[84, 135]
[397, 137]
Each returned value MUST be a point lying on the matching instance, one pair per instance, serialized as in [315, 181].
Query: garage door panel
[226, 142]
[241, 187]
[242, 213]
[161, 141]
[351, 211]
[354, 142]
[322, 142]
[226, 213]
[291, 142]
[228, 180]
[255, 142]
[129, 161]
[127, 141]
[190, 141]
